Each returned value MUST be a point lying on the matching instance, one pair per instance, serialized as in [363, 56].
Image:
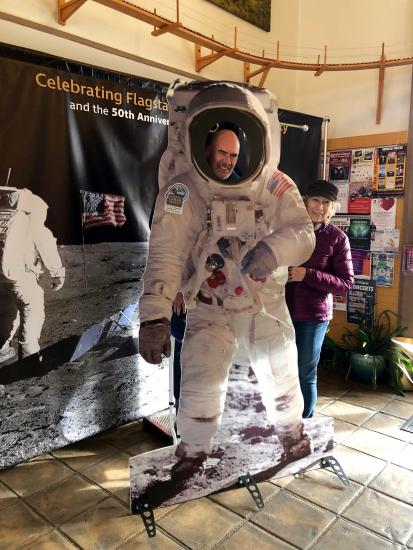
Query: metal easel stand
[250, 484]
[324, 463]
[142, 507]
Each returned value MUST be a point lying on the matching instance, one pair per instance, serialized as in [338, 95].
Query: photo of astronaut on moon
[74, 223]
[227, 225]
[27, 247]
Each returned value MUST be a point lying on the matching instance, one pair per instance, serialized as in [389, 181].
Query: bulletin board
[386, 297]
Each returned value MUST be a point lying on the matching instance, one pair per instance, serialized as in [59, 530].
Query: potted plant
[372, 351]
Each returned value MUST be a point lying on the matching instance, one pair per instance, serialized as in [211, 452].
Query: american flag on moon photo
[102, 209]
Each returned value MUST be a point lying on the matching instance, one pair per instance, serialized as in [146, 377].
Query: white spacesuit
[226, 246]
[26, 246]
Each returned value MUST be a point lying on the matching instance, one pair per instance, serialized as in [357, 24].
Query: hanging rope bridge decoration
[161, 25]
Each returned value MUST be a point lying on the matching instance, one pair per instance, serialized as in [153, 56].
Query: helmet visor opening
[227, 145]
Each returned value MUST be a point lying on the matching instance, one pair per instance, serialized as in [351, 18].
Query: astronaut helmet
[232, 132]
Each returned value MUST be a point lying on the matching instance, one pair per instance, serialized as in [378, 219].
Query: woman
[309, 292]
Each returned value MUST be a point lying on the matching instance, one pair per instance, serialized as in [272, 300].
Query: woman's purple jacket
[329, 270]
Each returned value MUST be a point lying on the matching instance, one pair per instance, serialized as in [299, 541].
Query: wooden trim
[203, 61]
[368, 140]
[158, 22]
[67, 9]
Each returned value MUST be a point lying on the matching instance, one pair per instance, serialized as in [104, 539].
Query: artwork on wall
[256, 12]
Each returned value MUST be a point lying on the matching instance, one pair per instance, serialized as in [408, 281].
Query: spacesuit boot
[295, 445]
[187, 466]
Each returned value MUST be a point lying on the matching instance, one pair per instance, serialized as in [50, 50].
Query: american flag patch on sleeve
[279, 183]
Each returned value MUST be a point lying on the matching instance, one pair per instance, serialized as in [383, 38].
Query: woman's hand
[178, 305]
[296, 274]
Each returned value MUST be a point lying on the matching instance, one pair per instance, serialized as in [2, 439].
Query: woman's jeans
[309, 336]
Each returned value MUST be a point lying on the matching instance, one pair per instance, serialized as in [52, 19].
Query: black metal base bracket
[142, 507]
[327, 462]
[334, 464]
[250, 484]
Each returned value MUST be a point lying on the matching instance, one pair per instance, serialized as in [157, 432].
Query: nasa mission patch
[175, 198]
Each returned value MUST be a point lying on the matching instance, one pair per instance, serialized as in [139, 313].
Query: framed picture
[256, 12]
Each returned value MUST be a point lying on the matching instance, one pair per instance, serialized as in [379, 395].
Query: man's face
[223, 153]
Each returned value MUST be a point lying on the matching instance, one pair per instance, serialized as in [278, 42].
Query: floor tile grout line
[319, 506]
[387, 461]
[375, 532]
[363, 488]
[158, 529]
[91, 464]
[54, 530]
[362, 425]
[246, 519]
[43, 518]
[362, 527]
[323, 532]
[47, 521]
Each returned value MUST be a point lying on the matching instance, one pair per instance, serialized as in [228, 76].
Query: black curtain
[300, 151]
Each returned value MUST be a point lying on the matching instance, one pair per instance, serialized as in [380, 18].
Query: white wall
[109, 27]
[349, 28]
[354, 31]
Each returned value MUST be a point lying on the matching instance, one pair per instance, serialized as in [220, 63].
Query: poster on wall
[383, 213]
[361, 299]
[382, 269]
[386, 240]
[79, 165]
[339, 166]
[389, 170]
[361, 263]
[359, 233]
[361, 181]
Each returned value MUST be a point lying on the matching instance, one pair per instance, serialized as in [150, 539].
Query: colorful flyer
[361, 263]
[383, 213]
[339, 166]
[389, 170]
[382, 269]
[361, 181]
[361, 299]
[359, 233]
[385, 240]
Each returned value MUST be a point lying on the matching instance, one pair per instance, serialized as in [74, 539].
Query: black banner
[78, 178]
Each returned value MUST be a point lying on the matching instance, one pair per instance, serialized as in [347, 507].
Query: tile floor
[77, 497]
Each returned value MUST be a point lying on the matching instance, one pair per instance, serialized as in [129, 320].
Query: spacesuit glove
[155, 340]
[57, 283]
[259, 261]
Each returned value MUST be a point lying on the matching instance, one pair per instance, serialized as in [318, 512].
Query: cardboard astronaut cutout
[227, 225]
